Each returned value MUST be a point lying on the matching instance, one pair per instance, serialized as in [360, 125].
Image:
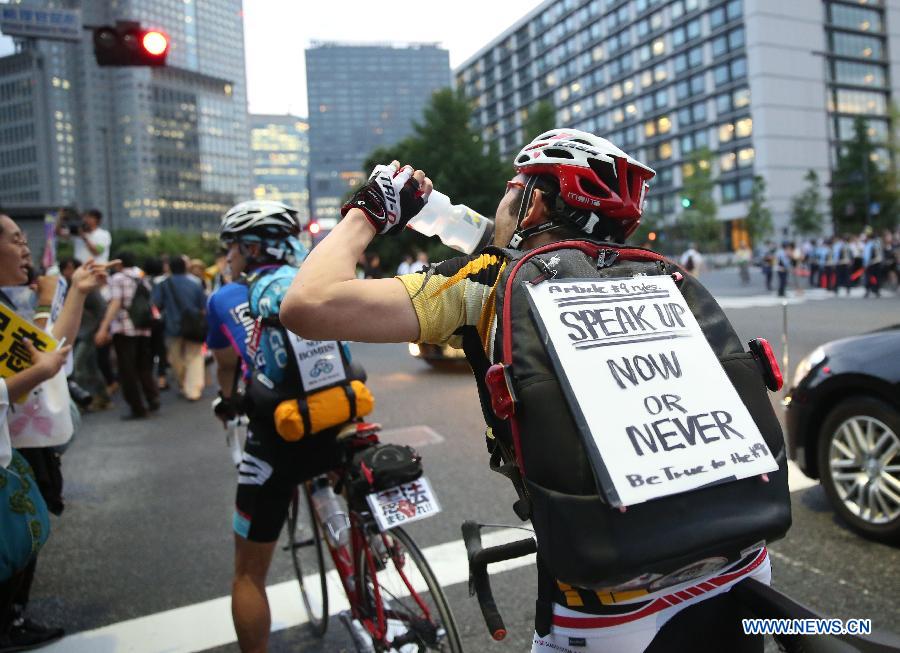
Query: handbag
[193, 323]
[45, 418]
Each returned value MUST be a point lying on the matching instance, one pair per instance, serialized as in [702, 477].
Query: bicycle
[394, 605]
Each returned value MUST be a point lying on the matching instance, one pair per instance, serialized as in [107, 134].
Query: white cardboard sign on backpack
[656, 410]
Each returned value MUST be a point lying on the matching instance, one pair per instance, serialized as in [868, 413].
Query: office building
[280, 149]
[353, 111]
[35, 154]
[153, 148]
[770, 87]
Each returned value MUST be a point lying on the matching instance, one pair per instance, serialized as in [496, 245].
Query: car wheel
[859, 464]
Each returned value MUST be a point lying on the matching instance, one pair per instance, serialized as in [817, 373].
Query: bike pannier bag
[381, 467]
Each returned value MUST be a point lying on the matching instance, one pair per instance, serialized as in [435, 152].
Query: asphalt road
[147, 524]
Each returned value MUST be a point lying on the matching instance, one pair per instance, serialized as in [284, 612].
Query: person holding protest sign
[575, 199]
[24, 365]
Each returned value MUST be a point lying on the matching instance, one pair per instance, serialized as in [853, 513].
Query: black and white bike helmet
[272, 225]
[259, 220]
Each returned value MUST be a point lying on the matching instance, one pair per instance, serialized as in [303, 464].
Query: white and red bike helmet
[593, 175]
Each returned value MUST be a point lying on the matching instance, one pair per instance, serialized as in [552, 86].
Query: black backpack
[140, 311]
[581, 539]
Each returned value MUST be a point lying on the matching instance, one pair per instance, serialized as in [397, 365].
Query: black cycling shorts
[270, 471]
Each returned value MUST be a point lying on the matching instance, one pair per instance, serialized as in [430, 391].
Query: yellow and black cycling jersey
[453, 294]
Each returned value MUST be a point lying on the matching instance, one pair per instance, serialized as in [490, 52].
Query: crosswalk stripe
[814, 294]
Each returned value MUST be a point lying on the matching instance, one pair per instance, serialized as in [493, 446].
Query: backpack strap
[543, 607]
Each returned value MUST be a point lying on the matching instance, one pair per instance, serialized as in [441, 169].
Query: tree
[697, 221]
[541, 118]
[456, 159]
[759, 217]
[806, 215]
[893, 175]
[862, 193]
[170, 242]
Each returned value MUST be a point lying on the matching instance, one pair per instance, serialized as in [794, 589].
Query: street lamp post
[108, 175]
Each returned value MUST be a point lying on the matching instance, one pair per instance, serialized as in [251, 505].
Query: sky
[276, 32]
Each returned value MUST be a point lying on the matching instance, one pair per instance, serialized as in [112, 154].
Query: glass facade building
[663, 78]
[353, 110]
[153, 148]
[280, 149]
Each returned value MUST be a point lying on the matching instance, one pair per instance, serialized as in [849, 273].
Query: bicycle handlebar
[479, 581]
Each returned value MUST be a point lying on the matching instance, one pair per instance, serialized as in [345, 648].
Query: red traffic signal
[155, 43]
[128, 44]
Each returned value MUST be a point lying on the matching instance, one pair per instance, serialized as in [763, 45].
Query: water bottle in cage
[332, 513]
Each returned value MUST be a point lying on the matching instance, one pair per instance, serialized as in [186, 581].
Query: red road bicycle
[395, 600]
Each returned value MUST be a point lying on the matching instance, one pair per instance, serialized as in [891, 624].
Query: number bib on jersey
[319, 361]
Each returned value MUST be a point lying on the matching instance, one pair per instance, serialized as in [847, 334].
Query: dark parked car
[843, 420]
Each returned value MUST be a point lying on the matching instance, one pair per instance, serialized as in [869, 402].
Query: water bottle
[456, 225]
[332, 514]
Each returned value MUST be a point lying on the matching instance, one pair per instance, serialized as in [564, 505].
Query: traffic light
[685, 202]
[128, 44]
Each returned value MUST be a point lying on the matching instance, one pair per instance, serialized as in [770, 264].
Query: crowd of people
[868, 260]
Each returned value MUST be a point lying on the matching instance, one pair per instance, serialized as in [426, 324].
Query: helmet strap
[521, 235]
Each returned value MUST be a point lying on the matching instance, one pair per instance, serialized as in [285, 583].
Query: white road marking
[208, 624]
[414, 436]
[814, 294]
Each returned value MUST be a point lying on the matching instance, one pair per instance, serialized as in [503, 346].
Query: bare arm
[92, 248]
[102, 335]
[327, 302]
[85, 280]
[226, 367]
[69, 320]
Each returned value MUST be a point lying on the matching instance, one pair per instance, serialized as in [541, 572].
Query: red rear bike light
[771, 372]
[503, 402]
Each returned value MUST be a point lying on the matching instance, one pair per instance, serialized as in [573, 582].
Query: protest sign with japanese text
[655, 409]
[403, 504]
[14, 356]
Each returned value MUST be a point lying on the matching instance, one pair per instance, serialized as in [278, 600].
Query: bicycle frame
[346, 558]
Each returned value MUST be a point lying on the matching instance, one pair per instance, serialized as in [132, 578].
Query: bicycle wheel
[417, 612]
[308, 554]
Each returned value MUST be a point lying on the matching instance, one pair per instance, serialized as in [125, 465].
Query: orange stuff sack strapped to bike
[296, 418]
[533, 438]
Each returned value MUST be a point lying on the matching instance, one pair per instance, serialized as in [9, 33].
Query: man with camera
[90, 240]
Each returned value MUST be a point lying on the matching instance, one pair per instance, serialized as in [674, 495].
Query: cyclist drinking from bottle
[455, 302]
